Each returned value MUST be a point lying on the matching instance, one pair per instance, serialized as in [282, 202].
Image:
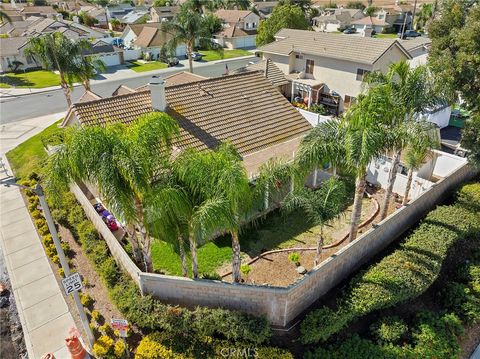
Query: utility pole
[413, 15]
[38, 190]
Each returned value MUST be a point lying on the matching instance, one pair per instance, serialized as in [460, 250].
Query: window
[348, 101]
[29, 60]
[309, 67]
[361, 73]
[298, 56]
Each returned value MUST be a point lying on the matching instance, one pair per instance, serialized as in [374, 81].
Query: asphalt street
[20, 108]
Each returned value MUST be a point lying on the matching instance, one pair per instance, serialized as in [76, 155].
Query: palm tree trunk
[360, 185]
[189, 54]
[86, 84]
[144, 236]
[66, 90]
[132, 239]
[193, 252]
[319, 248]
[183, 257]
[392, 176]
[235, 257]
[407, 188]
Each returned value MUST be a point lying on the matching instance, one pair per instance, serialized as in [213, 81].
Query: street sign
[72, 283]
[121, 325]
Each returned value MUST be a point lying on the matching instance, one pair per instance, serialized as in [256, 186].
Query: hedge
[402, 275]
[145, 311]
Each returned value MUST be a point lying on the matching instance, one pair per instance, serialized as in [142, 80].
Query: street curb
[137, 74]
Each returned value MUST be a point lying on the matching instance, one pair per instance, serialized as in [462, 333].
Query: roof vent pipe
[157, 92]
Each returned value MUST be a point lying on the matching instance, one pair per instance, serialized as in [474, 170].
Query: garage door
[110, 59]
[249, 41]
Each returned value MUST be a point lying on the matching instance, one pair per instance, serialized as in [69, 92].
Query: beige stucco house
[239, 29]
[328, 69]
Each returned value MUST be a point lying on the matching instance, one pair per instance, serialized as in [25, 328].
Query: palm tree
[188, 27]
[370, 11]
[406, 91]
[417, 152]
[320, 206]
[121, 162]
[218, 182]
[87, 67]
[56, 52]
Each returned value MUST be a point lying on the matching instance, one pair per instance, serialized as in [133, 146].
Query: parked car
[350, 30]
[172, 61]
[196, 56]
[409, 33]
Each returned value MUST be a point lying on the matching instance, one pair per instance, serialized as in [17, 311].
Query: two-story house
[328, 69]
[239, 28]
[335, 19]
[163, 13]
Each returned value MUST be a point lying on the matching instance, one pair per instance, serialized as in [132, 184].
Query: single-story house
[328, 69]
[370, 22]
[11, 49]
[109, 54]
[244, 109]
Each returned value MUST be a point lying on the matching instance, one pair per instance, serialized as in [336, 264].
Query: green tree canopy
[455, 54]
[283, 16]
[471, 139]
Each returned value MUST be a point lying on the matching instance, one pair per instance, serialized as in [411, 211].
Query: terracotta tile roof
[122, 90]
[358, 49]
[372, 21]
[244, 109]
[89, 96]
[270, 71]
[232, 16]
[178, 78]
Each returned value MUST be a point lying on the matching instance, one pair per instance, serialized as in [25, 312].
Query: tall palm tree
[188, 27]
[86, 69]
[57, 53]
[418, 150]
[219, 183]
[406, 92]
[121, 161]
[320, 206]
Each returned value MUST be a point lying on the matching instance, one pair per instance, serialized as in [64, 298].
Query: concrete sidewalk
[121, 72]
[42, 309]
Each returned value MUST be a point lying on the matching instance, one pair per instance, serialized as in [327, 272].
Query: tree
[87, 19]
[471, 139]
[406, 92]
[424, 16]
[189, 27]
[283, 16]
[56, 52]
[355, 5]
[454, 56]
[121, 161]
[160, 3]
[305, 5]
[219, 183]
[15, 65]
[86, 69]
[319, 206]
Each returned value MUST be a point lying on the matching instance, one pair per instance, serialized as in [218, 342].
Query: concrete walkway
[114, 74]
[43, 312]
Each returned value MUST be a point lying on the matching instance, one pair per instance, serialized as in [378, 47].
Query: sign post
[122, 326]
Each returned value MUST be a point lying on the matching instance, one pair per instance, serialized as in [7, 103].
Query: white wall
[313, 118]
[112, 59]
[441, 117]
[132, 54]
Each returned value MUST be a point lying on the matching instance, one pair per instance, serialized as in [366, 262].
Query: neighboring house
[42, 11]
[148, 38]
[265, 8]
[398, 16]
[70, 29]
[418, 49]
[11, 49]
[239, 29]
[163, 13]
[118, 11]
[328, 69]
[336, 19]
[371, 23]
[109, 54]
[134, 17]
[244, 109]
[98, 13]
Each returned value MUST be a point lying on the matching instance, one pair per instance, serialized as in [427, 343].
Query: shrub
[94, 328]
[109, 272]
[39, 223]
[96, 316]
[86, 300]
[294, 257]
[47, 240]
[33, 206]
[106, 329]
[44, 230]
[272, 353]
[76, 215]
[103, 347]
[55, 259]
[402, 275]
[245, 269]
[120, 349]
[36, 214]
[211, 276]
[61, 273]
[151, 347]
[65, 246]
[469, 196]
[389, 329]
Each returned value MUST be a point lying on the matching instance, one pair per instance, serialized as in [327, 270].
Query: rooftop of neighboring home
[138, 28]
[133, 16]
[151, 37]
[357, 49]
[414, 43]
[180, 78]
[269, 70]
[232, 16]
[370, 20]
[243, 108]
[234, 31]
[166, 11]
[70, 29]
[10, 46]
[100, 47]
[43, 10]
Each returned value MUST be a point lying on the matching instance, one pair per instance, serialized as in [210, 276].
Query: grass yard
[385, 36]
[210, 55]
[30, 155]
[32, 79]
[139, 66]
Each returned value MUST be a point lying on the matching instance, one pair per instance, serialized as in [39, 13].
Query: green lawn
[30, 155]
[34, 79]
[210, 55]
[385, 36]
[138, 66]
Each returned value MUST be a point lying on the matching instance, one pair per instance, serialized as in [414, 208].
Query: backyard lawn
[210, 55]
[139, 66]
[385, 36]
[29, 156]
[34, 79]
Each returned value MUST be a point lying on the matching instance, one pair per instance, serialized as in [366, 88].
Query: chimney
[157, 93]
[76, 19]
